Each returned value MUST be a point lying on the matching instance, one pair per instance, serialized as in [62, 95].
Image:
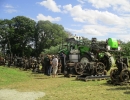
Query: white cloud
[105, 30]
[81, 1]
[98, 23]
[118, 5]
[51, 5]
[124, 38]
[10, 10]
[42, 17]
[101, 31]
[86, 31]
[92, 16]
[8, 6]
[67, 7]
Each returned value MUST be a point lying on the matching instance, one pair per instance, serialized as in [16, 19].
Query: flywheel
[79, 68]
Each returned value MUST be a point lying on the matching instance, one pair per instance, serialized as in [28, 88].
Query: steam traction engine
[88, 59]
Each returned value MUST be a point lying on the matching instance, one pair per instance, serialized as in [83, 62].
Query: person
[43, 64]
[50, 67]
[55, 66]
[47, 64]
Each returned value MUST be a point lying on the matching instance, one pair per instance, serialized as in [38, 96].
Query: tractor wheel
[125, 75]
[113, 74]
[79, 68]
[100, 67]
[108, 61]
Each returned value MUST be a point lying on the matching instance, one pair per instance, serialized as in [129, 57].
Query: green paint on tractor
[113, 43]
[83, 49]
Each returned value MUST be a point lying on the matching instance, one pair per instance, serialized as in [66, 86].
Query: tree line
[23, 36]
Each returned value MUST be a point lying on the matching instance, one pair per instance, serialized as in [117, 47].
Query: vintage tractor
[91, 58]
[121, 74]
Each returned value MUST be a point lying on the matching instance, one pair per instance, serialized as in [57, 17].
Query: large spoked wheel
[100, 67]
[125, 75]
[79, 68]
[85, 60]
[113, 74]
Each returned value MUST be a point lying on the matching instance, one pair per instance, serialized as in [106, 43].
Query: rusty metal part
[100, 67]
[113, 74]
[79, 68]
[125, 75]
[70, 64]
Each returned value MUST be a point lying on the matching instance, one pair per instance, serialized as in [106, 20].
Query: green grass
[11, 75]
[61, 88]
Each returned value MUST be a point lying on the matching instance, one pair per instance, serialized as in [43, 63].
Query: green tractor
[92, 58]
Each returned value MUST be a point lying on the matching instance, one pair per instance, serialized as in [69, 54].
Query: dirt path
[11, 94]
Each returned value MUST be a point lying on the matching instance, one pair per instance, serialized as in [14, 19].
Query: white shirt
[55, 62]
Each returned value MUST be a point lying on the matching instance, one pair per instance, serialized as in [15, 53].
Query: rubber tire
[110, 61]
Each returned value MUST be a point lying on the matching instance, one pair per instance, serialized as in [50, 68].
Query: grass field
[61, 88]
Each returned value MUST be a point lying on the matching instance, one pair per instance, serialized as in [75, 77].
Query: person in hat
[55, 66]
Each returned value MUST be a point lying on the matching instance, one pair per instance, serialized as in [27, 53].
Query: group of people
[51, 65]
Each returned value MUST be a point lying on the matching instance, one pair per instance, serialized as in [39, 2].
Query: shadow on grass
[75, 79]
[60, 76]
[36, 73]
[127, 92]
[106, 84]
[119, 88]
[41, 78]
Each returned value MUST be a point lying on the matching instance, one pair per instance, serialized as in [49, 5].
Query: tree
[24, 29]
[6, 33]
[126, 48]
[40, 37]
[48, 34]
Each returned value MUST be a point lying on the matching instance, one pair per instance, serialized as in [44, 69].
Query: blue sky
[89, 18]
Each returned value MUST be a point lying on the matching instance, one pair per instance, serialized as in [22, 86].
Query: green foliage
[24, 29]
[51, 50]
[126, 48]
[1, 53]
[6, 33]
[48, 34]
[23, 36]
